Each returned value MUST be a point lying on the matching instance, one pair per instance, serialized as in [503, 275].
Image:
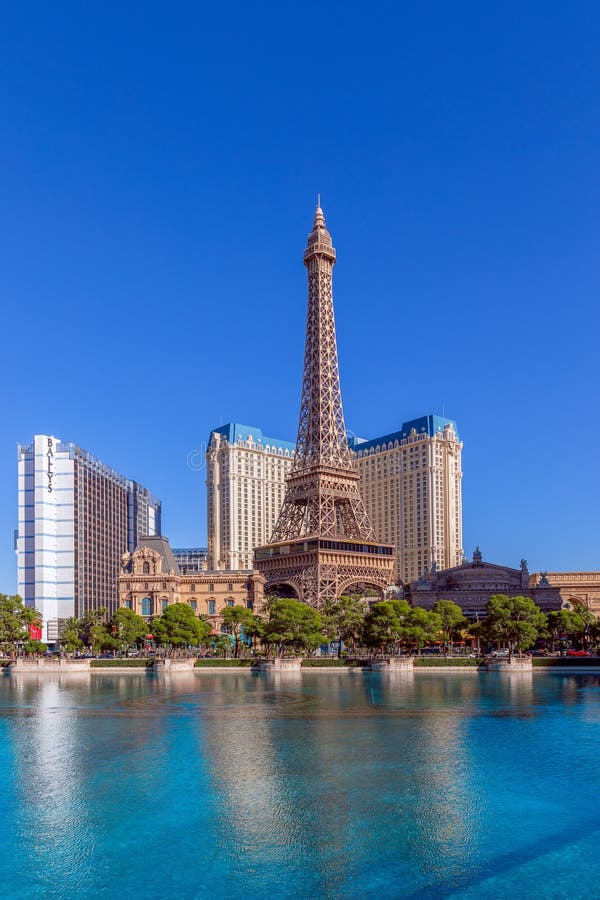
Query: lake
[335, 784]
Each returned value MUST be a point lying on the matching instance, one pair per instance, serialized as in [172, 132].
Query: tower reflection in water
[391, 765]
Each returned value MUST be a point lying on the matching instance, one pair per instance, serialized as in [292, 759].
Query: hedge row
[428, 662]
[121, 663]
[223, 662]
[566, 661]
[328, 662]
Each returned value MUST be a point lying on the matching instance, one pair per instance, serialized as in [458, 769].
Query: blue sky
[158, 171]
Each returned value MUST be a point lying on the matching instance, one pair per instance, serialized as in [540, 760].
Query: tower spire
[323, 540]
[321, 443]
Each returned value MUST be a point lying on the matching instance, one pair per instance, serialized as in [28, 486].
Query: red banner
[35, 631]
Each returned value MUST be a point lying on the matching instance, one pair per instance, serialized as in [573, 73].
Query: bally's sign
[49, 470]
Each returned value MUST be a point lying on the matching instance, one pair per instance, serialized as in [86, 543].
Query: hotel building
[410, 483]
[190, 559]
[76, 517]
[245, 484]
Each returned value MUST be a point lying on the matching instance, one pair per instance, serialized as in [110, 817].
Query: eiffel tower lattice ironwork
[323, 540]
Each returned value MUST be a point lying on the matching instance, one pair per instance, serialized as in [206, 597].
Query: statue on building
[477, 556]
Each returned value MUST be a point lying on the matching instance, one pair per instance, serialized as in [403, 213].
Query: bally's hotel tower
[77, 516]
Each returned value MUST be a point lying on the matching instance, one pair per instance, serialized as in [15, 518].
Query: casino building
[471, 584]
[76, 515]
[151, 579]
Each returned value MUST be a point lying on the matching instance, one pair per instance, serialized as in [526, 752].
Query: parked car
[578, 653]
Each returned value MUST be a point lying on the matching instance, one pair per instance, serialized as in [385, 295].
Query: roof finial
[319, 217]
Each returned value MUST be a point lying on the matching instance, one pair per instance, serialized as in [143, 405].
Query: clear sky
[159, 164]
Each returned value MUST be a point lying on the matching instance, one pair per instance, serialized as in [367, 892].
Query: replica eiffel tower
[323, 542]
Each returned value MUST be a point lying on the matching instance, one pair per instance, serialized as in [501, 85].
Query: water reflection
[353, 785]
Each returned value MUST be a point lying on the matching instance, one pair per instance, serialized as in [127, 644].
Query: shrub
[223, 663]
[549, 661]
[120, 663]
[328, 662]
[430, 662]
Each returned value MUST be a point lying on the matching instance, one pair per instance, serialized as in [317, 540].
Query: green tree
[419, 626]
[452, 621]
[343, 619]
[180, 626]
[70, 635]
[15, 619]
[34, 648]
[561, 623]
[292, 624]
[239, 620]
[585, 623]
[100, 638]
[383, 626]
[90, 628]
[129, 628]
[221, 644]
[513, 622]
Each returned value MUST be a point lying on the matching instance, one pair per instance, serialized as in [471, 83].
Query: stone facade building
[151, 580]
[471, 585]
[575, 588]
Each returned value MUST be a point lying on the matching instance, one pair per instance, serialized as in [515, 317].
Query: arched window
[211, 607]
[164, 603]
[146, 606]
[146, 569]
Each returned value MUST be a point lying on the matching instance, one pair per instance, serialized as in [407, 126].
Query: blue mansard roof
[429, 425]
[233, 431]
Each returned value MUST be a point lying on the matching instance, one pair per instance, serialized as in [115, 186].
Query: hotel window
[211, 607]
[146, 606]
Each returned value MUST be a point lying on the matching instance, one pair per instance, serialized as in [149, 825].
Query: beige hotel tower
[410, 483]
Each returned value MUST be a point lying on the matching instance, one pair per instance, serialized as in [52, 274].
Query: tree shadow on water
[580, 830]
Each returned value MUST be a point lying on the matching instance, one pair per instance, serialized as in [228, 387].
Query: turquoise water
[302, 785]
